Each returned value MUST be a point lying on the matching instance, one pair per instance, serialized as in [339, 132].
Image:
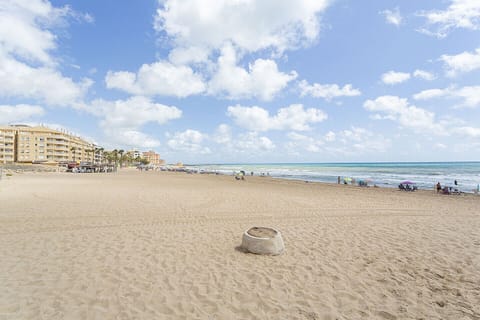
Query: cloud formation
[393, 77]
[249, 25]
[188, 141]
[461, 63]
[252, 142]
[28, 68]
[327, 91]
[471, 132]
[469, 95]
[392, 16]
[293, 117]
[262, 80]
[17, 113]
[460, 14]
[425, 75]
[399, 110]
[121, 120]
[347, 142]
[299, 142]
[159, 78]
[33, 39]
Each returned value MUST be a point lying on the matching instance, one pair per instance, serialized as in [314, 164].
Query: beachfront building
[42, 145]
[153, 158]
[7, 143]
[134, 154]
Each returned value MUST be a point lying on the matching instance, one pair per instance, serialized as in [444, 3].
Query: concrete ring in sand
[263, 240]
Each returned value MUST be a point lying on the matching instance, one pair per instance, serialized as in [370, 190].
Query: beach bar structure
[26, 144]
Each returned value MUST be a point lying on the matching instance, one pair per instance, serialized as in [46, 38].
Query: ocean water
[424, 174]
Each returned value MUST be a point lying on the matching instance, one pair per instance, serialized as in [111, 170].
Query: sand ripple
[165, 246]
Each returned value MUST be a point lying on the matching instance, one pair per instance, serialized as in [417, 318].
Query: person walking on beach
[439, 187]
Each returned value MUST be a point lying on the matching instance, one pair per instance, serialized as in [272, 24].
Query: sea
[382, 174]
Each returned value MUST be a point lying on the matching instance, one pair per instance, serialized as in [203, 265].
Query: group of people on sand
[447, 189]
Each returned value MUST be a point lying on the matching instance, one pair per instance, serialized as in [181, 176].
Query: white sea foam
[425, 175]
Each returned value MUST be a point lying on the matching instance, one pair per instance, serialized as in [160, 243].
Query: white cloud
[393, 16]
[361, 141]
[302, 142]
[461, 63]
[121, 120]
[470, 95]
[133, 113]
[425, 75]
[327, 91]
[42, 83]
[261, 80]
[159, 78]
[184, 56]
[28, 68]
[188, 141]
[17, 113]
[30, 20]
[330, 136]
[130, 138]
[409, 116]
[223, 134]
[463, 14]
[470, 132]
[429, 94]
[351, 142]
[393, 77]
[252, 142]
[249, 25]
[294, 117]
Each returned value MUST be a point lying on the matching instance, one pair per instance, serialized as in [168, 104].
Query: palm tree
[114, 155]
[108, 156]
[130, 158]
[120, 152]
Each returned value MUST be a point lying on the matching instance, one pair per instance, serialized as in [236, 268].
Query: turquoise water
[424, 174]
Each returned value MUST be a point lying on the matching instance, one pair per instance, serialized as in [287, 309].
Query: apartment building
[134, 153]
[7, 145]
[153, 158]
[24, 144]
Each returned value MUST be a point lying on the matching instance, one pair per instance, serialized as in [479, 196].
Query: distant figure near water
[439, 187]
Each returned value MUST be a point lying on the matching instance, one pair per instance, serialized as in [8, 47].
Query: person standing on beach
[338, 180]
[439, 187]
[455, 182]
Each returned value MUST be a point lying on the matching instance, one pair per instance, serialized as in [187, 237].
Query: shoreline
[389, 174]
[206, 169]
[36, 169]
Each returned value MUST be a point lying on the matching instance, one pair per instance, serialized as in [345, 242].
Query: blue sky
[249, 80]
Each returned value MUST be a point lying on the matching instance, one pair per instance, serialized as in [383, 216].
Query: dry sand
[161, 245]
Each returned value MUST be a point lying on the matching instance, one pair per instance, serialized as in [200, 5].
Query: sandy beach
[164, 245]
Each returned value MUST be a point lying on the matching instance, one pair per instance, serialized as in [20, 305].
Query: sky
[249, 81]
